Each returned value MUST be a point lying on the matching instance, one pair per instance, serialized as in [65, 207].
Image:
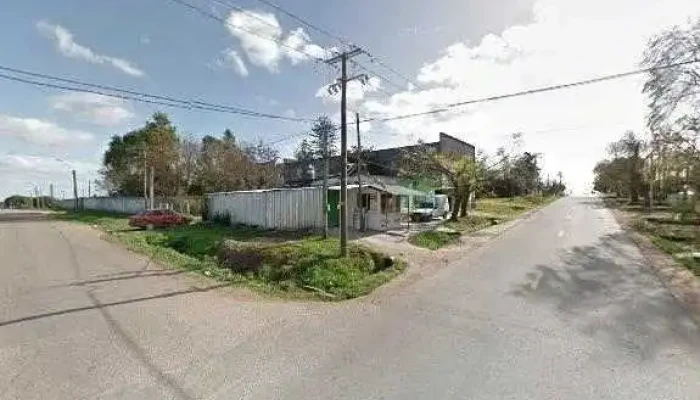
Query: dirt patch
[681, 282]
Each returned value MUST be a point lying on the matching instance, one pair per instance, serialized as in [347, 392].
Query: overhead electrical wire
[543, 89]
[115, 92]
[302, 21]
[340, 39]
[215, 17]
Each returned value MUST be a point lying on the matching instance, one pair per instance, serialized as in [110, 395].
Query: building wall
[280, 209]
[449, 144]
[385, 162]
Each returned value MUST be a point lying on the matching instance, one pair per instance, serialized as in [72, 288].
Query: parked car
[437, 206]
[158, 219]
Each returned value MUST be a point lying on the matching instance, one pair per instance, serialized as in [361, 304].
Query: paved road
[559, 307]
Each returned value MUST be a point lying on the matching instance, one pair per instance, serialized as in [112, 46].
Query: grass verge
[488, 212]
[434, 240]
[677, 237]
[290, 264]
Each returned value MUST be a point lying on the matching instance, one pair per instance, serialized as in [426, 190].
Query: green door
[333, 212]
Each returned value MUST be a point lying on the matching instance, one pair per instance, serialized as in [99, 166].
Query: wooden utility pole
[145, 180]
[343, 84]
[89, 188]
[75, 191]
[153, 178]
[325, 143]
[359, 173]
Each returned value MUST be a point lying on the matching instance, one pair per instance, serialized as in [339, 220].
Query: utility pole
[145, 180]
[89, 188]
[51, 191]
[75, 190]
[153, 178]
[325, 182]
[343, 84]
[359, 173]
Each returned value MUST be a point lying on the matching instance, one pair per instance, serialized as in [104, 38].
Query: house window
[366, 203]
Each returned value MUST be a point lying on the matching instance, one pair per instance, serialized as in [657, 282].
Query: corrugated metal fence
[124, 205]
[281, 209]
[133, 205]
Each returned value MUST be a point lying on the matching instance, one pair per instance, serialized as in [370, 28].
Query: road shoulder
[682, 283]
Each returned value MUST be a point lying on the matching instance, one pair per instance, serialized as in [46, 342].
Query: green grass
[674, 249]
[488, 212]
[296, 264]
[434, 240]
[669, 234]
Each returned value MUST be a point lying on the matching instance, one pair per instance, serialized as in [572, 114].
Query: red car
[158, 219]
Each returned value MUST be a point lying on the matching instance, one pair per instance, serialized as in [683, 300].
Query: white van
[429, 208]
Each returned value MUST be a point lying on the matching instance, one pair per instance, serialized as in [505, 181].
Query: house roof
[391, 189]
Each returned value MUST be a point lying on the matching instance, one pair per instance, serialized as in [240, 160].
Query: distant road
[562, 306]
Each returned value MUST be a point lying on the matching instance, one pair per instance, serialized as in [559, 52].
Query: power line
[552, 88]
[342, 40]
[376, 60]
[268, 23]
[304, 22]
[215, 17]
[364, 68]
[105, 90]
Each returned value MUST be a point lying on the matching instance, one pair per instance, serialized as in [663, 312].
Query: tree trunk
[463, 207]
[456, 207]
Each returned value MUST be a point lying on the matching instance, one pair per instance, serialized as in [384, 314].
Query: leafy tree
[18, 201]
[154, 145]
[462, 173]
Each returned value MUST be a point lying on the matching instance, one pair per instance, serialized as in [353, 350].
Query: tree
[462, 173]
[629, 149]
[157, 144]
[673, 90]
[324, 134]
[305, 155]
[18, 201]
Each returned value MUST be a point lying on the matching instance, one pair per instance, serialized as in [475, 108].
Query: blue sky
[456, 49]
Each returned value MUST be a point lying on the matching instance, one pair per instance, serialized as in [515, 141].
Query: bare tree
[676, 90]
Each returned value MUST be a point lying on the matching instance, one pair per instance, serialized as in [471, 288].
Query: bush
[312, 264]
[434, 240]
[241, 257]
[222, 219]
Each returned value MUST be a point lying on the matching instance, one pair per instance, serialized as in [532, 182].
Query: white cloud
[39, 132]
[93, 108]
[67, 46]
[233, 60]
[22, 173]
[260, 35]
[567, 40]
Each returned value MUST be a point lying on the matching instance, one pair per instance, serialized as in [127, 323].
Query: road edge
[683, 285]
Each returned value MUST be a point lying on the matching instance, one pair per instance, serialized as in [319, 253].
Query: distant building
[379, 166]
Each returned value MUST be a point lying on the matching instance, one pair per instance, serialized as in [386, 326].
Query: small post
[153, 175]
[359, 173]
[75, 190]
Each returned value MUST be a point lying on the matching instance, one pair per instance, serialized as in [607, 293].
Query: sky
[450, 51]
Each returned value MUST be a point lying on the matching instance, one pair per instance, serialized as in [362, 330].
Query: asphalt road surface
[562, 306]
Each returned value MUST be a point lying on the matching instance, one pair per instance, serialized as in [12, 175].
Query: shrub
[222, 219]
[241, 257]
